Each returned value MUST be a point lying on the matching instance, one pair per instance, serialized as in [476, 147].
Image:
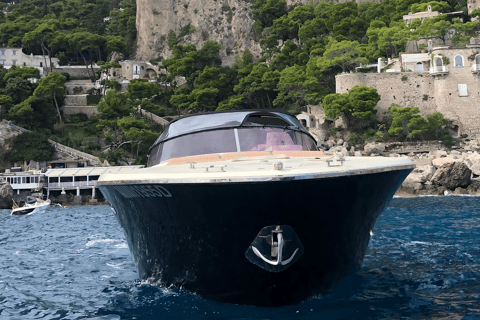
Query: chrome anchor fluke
[276, 242]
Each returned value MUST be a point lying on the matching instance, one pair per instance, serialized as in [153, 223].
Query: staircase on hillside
[159, 120]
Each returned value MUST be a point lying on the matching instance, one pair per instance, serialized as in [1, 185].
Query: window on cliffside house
[438, 64]
[14, 52]
[462, 90]
[458, 61]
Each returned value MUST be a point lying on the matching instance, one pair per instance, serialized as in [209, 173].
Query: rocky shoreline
[439, 172]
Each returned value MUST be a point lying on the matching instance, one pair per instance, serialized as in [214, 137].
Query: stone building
[450, 85]
[472, 5]
[15, 57]
[420, 15]
[314, 119]
[133, 69]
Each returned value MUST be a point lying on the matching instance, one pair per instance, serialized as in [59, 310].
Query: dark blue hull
[195, 236]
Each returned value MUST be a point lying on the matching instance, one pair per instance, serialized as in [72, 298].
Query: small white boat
[32, 205]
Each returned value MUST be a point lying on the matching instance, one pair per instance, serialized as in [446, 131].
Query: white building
[24, 181]
[15, 57]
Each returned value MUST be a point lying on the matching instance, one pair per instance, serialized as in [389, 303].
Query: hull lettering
[143, 191]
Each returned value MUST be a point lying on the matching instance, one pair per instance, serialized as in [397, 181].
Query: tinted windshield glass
[216, 141]
[206, 121]
[270, 139]
[225, 140]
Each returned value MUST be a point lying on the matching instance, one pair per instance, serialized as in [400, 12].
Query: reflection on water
[423, 262]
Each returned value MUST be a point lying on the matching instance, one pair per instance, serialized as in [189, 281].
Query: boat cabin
[229, 132]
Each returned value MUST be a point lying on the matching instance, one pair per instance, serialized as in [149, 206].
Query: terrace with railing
[476, 68]
[439, 70]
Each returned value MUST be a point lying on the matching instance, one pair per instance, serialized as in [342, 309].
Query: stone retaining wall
[76, 100]
[88, 110]
[84, 85]
[74, 71]
[415, 147]
[434, 92]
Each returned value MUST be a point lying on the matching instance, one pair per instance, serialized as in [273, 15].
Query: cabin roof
[228, 119]
[87, 171]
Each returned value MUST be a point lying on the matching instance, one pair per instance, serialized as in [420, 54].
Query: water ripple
[423, 262]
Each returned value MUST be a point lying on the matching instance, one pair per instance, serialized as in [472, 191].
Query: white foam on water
[92, 242]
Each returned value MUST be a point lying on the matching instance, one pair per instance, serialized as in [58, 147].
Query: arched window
[438, 64]
[458, 61]
[419, 67]
[477, 59]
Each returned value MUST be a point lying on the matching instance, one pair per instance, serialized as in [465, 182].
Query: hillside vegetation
[304, 47]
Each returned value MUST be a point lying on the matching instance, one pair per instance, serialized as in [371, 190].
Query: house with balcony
[15, 57]
[446, 80]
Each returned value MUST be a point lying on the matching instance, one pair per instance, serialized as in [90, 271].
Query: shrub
[67, 75]
[172, 38]
[93, 100]
[353, 138]
[29, 146]
[77, 118]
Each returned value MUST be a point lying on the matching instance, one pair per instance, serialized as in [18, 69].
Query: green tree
[436, 125]
[6, 103]
[113, 107]
[359, 102]
[296, 89]
[172, 39]
[406, 121]
[21, 73]
[52, 87]
[33, 113]
[344, 54]
[30, 146]
[438, 28]
[266, 11]
[391, 40]
[439, 6]
[142, 88]
[233, 103]
[19, 89]
[122, 23]
[136, 131]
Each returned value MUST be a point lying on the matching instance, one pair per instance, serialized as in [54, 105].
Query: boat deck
[263, 168]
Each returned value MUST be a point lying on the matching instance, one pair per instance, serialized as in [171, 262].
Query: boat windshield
[261, 138]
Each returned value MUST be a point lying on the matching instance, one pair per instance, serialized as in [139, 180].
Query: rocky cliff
[228, 22]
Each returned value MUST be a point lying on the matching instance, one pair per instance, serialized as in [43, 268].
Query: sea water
[423, 262]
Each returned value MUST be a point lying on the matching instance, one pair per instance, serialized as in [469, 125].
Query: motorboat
[241, 207]
[32, 205]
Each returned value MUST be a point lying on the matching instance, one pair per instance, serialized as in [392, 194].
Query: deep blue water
[423, 262]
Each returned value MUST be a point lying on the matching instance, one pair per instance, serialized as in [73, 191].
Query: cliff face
[228, 22]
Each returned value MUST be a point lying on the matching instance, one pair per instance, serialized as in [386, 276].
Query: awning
[87, 171]
[415, 57]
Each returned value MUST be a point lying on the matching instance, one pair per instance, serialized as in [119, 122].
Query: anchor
[277, 249]
[282, 240]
